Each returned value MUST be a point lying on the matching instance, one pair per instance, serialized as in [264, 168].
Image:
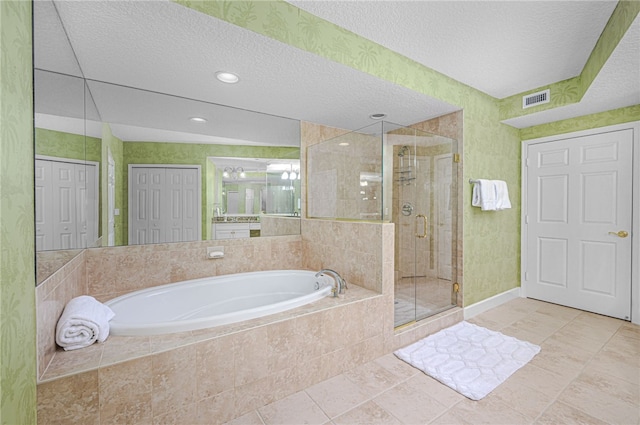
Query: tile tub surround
[218, 373]
[109, 272]
[52, 295]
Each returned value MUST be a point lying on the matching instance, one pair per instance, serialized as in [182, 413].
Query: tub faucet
[341, 284]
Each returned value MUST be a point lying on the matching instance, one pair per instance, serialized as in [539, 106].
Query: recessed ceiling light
[227, 77]
[198, 119]
[377, 116]
[343, 144]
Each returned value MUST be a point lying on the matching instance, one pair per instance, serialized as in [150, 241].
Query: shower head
[403, 150]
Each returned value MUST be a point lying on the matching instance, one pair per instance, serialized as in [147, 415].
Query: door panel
[165, 205]
[191, 206]
[579, 194]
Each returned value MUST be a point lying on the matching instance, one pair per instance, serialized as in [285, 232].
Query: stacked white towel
[490, 195]
[83, 322]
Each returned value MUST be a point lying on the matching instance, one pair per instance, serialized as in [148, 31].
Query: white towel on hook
[484, 195]
[502, 195]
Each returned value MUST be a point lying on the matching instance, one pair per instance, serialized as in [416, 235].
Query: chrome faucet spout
[340, 285]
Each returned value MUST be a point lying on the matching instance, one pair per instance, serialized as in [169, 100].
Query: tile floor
[588, 372]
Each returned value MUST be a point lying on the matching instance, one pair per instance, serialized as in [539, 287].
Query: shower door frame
[430, 186]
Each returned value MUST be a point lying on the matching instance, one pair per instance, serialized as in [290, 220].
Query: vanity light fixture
[285, 176]
[377, 116]
[198, 119]
[227, 77]
[234, 173]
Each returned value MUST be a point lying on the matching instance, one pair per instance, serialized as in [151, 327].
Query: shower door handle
[424, 218]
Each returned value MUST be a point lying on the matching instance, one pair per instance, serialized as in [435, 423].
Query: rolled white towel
[83, 322]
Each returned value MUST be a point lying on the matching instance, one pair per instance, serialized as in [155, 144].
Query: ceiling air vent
[534, 99]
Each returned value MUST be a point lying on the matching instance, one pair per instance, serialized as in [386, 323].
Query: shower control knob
[407, 209]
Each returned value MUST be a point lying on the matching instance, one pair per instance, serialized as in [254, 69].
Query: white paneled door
[164, 204]
[66, 203]
[578, 209]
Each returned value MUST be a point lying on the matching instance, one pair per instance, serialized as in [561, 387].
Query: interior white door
[182, 187]
[248, 201]
[191, 207]
[578, 222]
[87, 204]
[164, 204]
[145, 200]
[443, 217]
[66, 203]
[233, 202]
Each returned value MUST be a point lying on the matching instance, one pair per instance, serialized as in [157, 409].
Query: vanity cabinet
[228, 230]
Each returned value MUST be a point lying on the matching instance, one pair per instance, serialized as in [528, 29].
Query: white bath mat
[468, 358]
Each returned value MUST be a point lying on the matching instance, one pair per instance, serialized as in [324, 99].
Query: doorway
[577, 220]
[164, 204]
[423, 213]
[66, 198]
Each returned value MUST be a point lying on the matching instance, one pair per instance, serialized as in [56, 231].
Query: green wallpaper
[17, 257]
[109, 141]
[572, 90]
[617, 116]
[491, 149]
[191, 154]
[67, 145]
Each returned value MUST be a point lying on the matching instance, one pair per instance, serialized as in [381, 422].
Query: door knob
[620, 234]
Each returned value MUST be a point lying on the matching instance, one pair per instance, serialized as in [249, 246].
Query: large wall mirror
[127, 105]
[113, 162]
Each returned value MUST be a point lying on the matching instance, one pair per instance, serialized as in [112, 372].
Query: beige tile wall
[118, 270]
[271, 225]
[52, 295]
[108, 272]
[356, 250]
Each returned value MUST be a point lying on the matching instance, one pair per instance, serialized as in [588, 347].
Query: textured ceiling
[166, 48]
[617, 85]
[500, 48]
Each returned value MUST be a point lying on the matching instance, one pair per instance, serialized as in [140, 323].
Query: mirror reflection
[117, 165]
[118, 182]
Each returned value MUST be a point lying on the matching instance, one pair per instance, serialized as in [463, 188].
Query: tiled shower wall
[451, 125]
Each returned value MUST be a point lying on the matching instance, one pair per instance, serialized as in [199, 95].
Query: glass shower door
[423, 211]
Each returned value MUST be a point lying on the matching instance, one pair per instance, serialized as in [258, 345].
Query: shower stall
[390, 173]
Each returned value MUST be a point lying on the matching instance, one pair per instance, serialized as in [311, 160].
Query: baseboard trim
[489, 303]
